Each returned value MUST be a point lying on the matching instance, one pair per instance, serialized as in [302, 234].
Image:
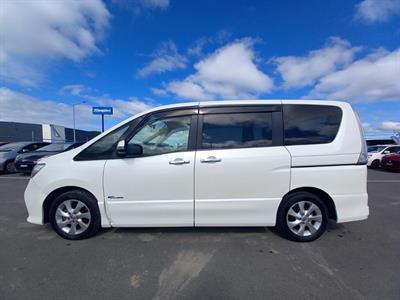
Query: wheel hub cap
[304, 218]
[73, 217]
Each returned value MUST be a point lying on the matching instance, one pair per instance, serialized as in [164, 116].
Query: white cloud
[159, 92]
[167, 58]
[230, 72]
[35, 110]
[371, 11]
[373, 78]
[122, 108]
[197, 48]
[300, 71]
[137, 6]
[155, 3]
[34, 33]
[73, 89]
[39, 111]
[390, 126]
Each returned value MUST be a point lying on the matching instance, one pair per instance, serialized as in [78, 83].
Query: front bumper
[24, 167]
[34, 198]
[390, 165]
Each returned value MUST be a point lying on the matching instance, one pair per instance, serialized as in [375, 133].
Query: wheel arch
[324, 196]
[54, 194]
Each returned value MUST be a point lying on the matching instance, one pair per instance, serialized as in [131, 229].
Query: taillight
[363, 158]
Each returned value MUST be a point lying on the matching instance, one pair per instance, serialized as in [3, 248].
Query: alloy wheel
[73, 217]
[304, 218]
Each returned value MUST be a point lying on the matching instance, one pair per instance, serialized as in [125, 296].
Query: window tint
[164, 135]
[375, 149]
[393, 149]
[237, 130]
[310, 124]
[105, 147]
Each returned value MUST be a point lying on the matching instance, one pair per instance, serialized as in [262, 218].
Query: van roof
[250, 102]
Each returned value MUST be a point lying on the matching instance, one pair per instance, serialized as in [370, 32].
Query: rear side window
[237, 130]
[310, 124]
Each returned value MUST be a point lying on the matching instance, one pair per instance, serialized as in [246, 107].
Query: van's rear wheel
[75, 215]
[302, 217]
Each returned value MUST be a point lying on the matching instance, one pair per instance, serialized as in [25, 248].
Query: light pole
[73, 116]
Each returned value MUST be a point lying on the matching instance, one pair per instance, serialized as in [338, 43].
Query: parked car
[391, 162]
[9, 152]
[375, 154]
[293, 163]
[26, 161]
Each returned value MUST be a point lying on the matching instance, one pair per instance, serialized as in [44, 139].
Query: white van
[293, 164]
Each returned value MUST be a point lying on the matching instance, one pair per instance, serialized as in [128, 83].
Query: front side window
[237, 130]
[393, 149]
[310, 124]
[163, 135]
[105, 147]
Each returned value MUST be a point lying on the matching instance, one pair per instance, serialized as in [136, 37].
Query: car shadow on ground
[201, 231]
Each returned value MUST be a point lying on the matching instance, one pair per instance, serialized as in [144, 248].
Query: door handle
[179, 161]
[210, 159]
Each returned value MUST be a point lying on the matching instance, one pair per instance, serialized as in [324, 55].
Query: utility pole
[73, 117]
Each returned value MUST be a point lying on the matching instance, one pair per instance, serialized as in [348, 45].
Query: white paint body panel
[62, 171]
[244, 189]
[154, 192]
[346, 185]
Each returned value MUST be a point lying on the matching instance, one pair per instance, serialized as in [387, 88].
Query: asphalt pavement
[359, 260]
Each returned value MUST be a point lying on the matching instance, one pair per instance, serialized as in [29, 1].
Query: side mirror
[121, 148]
[134, 150]
[386, 152]
[130, 150]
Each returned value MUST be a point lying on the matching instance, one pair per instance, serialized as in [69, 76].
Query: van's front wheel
[75, 215]
[302, 217]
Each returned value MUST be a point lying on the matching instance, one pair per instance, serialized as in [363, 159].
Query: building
[18, 132]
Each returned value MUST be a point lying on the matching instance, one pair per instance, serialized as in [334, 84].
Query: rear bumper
[351, 207]
[34, 198]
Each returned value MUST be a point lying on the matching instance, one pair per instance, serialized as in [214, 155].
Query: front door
[242, 169]
[155, 188]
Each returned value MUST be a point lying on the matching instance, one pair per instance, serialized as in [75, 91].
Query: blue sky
[133, 55]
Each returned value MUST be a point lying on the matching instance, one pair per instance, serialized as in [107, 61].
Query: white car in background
[375, 154]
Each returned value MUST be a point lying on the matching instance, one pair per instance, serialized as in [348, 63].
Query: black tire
[375, 164]
[283, 218]
[9, 167]
[91, 205]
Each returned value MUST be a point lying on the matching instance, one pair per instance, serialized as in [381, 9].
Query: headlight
[37, 168]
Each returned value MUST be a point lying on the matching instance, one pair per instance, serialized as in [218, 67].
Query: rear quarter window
[310, 124]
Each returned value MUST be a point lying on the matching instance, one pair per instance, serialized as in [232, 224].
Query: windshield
[375, 149]
[55, 147]
[12, 146]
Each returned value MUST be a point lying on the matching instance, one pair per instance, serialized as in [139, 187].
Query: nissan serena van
[293, 164]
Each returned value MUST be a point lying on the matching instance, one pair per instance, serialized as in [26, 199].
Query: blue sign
[102, 110]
